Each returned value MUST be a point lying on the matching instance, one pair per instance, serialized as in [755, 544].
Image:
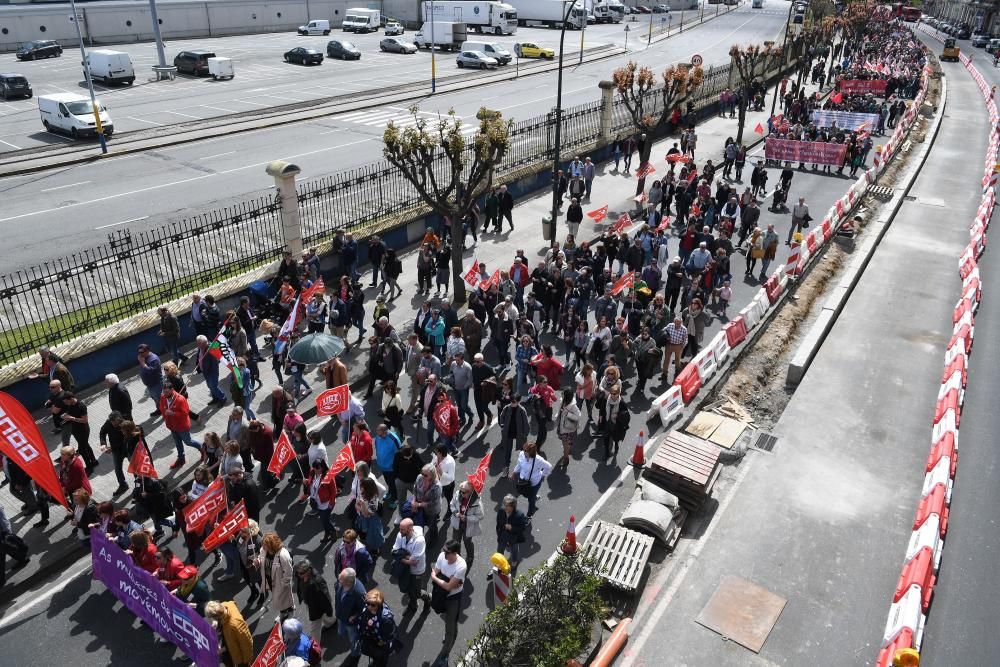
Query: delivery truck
[496, 18]
[446, 35]
[548, 13]
[362, 20]
[606, 11]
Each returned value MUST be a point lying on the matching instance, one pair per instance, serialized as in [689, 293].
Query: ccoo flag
[230, 525]
[141, 464]
[22, 443]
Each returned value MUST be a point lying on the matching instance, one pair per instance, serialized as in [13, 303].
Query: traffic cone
[639, 456]
[569, 543]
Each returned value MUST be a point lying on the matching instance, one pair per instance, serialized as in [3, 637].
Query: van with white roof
[73, 114]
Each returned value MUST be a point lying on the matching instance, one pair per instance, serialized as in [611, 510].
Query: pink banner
[811, 152]
[862, 86]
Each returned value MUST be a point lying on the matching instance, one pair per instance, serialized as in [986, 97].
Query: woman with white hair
[466, 517]
[427, 501]
[297, 643]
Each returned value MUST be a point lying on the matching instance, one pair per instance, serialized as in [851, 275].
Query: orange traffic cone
[569, 543]
[639, 457]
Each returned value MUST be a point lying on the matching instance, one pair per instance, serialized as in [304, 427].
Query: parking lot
[262, 78]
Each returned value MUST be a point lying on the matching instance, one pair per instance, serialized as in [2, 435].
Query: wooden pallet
[621, 552]
[687, 466]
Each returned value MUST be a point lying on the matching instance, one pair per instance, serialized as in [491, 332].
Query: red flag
[644, 170]
[478, 478]
[235, 519]
[664, 224]
[677, 157]
[206, 507]
[494, 280]
[274, 649]
[141, 464]
[22, 443]
[283, 454]
[759, 129]
[626, 281]
[333, 401]
[471, 276]
[623, 222]
[316, 287]
[599, 214]
[344, 460]
[837, 98]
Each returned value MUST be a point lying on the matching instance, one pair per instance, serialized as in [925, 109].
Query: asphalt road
[961, 621]
[74, 207]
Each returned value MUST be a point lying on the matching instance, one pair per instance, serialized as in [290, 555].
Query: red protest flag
[22, 443]
[344, 460]
[283, 454]
[598, 215]
[837, 99]
[316, 288]
[141, 465]
[625, 282]
[274, 649]
[235, 519]
[644, 170]
[759, 129]
[478, 478]
[333, 401]
[677, 157]
[664, 224]
[471, 276]
[206, 507]
[623, 222]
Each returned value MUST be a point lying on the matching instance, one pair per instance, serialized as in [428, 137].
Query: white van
[492, 49]
[110, 66]
[73, 114]
[318, 27]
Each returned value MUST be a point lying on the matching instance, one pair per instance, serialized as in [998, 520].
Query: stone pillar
[607, 106]
[284, 174]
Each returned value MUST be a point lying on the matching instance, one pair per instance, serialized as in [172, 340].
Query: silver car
[397, 45]
[476, 59]
[394, 28]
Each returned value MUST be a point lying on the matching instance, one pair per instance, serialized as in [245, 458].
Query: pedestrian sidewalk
[53, 547]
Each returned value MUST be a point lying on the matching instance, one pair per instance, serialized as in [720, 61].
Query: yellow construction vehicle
[950, 50]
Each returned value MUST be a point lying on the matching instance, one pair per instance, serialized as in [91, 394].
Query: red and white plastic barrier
[912, 598]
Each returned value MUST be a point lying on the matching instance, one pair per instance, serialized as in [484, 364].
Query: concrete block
[809, 347]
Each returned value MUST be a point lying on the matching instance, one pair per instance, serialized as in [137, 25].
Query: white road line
[37, 598]
[62, 187]
[7, 143]
[143, 120]
[209, 106]
[186, 115]
[257, 104]
[209, 157]
[123, 222]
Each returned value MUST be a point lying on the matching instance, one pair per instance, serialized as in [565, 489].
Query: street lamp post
[90, 82]
[558, 142]
[156, 34]
[583, 32]
[433, 49]
[784, 54]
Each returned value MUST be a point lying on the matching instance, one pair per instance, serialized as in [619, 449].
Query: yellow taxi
[529, 50]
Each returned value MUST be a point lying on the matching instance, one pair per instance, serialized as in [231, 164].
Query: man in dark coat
[312, 591]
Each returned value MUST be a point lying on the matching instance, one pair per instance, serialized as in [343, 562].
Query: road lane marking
[143, 120]
[62, 187]
[123, 222]
[17, 148]
[209, 106]
[186, 115]
[209, 157]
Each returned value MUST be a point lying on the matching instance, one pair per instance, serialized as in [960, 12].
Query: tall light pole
[583, 31]
[90, 82]
[156, 34]
[558, 143]
[433, 49]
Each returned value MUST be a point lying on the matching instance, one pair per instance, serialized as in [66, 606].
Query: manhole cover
[742, 611]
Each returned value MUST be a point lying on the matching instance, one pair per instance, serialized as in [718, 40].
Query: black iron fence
[72, 296]
[69, 297]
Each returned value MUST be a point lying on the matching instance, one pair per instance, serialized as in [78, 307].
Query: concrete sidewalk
[53, 548]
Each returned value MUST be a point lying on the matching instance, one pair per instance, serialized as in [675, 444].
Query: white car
[394, 28]
[476, 59]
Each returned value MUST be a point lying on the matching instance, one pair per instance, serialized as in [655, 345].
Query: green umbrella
[317, 348]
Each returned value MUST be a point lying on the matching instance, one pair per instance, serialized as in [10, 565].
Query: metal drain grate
[765, 441]
[880, 192]
[909, 198]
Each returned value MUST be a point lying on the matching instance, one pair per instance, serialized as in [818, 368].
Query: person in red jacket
[177, 417]
[169, 569]
[446, 421]
[546, 364]
[321, 489]
[260, 440]
[72, 472]
[143, 551]
[362, 446]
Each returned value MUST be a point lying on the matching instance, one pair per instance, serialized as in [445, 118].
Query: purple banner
[811, 152]
[149, 599]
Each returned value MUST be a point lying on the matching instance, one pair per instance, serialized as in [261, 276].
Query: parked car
[661, 9]
[39, 49]
[394, 28]
[529, 50]
[993, 46]
[193, 62]
[336, 48]
[980, 41]
[14, 85]
[304, 56]
[591, 19]
[644, 9]
[73, 114]
[963, 33]
[476, 59]
[397, 45]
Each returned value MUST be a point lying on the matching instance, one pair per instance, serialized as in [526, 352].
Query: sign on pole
[697, 60]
